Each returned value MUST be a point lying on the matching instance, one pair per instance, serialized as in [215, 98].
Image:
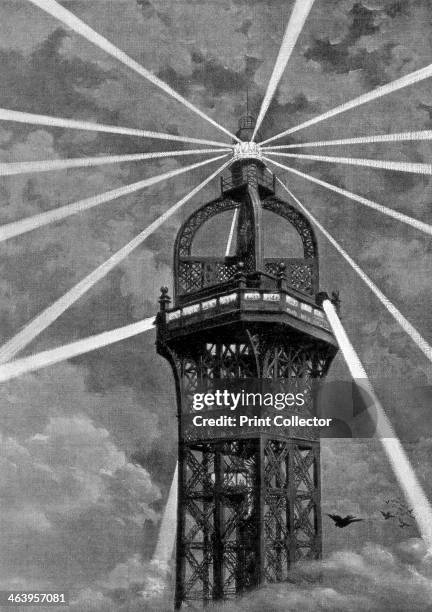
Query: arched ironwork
[301, 274]
[298, 221]
[194, 273]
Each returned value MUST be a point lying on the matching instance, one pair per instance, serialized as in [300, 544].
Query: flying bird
[343, 521]
[400, 511]
[387, 515]
[402, 524]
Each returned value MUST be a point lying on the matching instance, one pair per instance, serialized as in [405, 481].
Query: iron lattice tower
[249, 498]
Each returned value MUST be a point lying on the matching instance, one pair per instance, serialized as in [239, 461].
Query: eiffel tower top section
[224, 259]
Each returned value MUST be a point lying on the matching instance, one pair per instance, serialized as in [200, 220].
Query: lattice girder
[223, 506]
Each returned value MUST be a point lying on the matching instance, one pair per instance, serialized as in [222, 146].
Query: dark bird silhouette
[400, 511]
[343, 521]
[387, 515]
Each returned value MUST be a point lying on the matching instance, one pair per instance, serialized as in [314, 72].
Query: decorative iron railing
[197, 273]
[300, 274]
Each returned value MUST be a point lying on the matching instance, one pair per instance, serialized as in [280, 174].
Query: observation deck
[248, 298]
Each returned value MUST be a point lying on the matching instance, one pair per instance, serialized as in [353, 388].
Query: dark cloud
[341, 57]
[397, 8]
[245, 26]
[147, 8]
[216, 79]
[47, 81]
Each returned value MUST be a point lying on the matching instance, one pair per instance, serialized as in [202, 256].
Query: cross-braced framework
[221, 519]
[282, 466]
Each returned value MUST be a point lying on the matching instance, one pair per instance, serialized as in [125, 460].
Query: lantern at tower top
[247, 150]
[246, 128]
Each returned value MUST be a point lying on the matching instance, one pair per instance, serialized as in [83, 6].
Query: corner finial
[240, 274]
[281, 275]
[164, 299]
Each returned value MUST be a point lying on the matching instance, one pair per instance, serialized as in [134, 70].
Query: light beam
[397, 137]
[12, 168]
[417, 338]
[415, 168]
[231, 234]
[74, 23]
[168, 527]
[16, 228]
[88, 126]
[418, 225]
[394, 450]
[50, 314]
[295, 25]
[18, 367]
[408, 79]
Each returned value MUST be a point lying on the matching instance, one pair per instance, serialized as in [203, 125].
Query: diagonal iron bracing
[397, 137]
[74, 23]
[18, 367]
[50, 314]
[419, 225]
[16, 228]
[408, 79]
[415, 168]
[12, 168]
[394, 450]
[89, 126]
[295, 25]
[417, 338]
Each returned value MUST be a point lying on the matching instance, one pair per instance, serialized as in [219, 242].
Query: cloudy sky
[88, 447]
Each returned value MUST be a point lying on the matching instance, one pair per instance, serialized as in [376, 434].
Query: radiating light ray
[417, 338]
[50, 314]
[408, 79]
[295, 25]
[397, 137]
[16, 228]
[168, 527]
[18, 367]
[74, 23]
[419, 225]
[12, 168]
[365, 163]
[89, 126]
[394, 450]
[231, 234]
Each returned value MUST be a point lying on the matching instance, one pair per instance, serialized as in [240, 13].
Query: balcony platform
[234, 303]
